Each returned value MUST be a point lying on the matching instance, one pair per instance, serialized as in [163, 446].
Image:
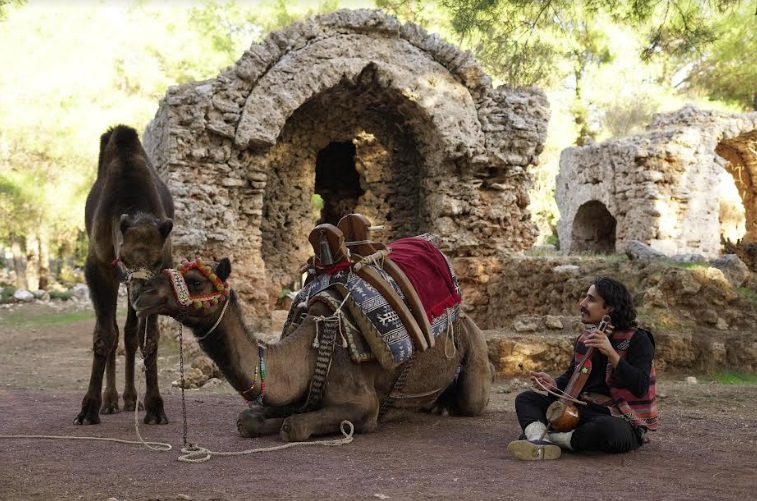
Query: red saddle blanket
[430, 273]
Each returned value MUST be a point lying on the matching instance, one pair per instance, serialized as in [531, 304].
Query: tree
[78, 68]
[723, 72]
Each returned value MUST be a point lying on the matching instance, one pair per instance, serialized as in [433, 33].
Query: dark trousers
[597, 430]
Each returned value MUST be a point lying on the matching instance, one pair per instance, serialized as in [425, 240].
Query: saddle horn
[327, 259]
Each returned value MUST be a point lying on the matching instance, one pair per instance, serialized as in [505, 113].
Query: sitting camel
[308, 382]
[128, 219]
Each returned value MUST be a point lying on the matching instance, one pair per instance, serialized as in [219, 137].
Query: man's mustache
[584, 310]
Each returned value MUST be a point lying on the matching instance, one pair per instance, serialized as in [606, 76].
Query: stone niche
[376, 117]
[683, 187]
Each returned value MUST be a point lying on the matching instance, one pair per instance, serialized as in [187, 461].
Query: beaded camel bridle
[222, 291]
[181, 291]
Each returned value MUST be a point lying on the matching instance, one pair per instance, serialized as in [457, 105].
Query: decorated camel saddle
[399, 296]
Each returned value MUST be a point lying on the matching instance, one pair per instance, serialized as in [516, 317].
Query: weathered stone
[639, 251]
[665, 187]
[733, 268]
[552, 322]
[411, 121]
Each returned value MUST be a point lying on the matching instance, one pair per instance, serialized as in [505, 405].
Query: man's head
[608, 297]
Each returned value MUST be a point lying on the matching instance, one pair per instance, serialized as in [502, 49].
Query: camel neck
[233, 349]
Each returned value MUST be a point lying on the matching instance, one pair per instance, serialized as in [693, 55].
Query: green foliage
[23, 321]
[747, 294]
[732, 377]
[724, 73]
[78, 68]
[688, 266]
[68, 277]
[64, 295]
[6, 294]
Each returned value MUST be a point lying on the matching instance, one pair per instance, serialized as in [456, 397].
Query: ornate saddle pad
[371, 330]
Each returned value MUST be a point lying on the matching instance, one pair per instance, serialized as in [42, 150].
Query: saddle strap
[399, 383]
[326, 331]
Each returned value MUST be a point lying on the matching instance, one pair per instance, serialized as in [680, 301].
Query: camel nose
[136, 287]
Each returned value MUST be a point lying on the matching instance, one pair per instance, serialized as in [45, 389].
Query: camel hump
[119, 141]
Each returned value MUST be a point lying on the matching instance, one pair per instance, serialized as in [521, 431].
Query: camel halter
[139, 273]
[181, 291]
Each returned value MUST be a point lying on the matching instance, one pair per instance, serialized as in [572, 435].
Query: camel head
[191, 293]
[144, 249]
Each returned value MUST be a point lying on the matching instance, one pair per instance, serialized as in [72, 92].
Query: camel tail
[119, 140]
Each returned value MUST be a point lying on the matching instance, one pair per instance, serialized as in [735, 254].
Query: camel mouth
[144, 307]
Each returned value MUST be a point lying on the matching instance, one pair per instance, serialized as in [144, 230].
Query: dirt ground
[705, 449]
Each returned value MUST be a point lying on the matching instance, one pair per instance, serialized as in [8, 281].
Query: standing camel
[280, 377]
[128, 217]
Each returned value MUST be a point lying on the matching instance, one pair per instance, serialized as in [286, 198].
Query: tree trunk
[32, 261]
[44, 257]
[18, 262]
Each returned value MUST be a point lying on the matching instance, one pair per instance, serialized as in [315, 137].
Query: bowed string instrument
[563, 414]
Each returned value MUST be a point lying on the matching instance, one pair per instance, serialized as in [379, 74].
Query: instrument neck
[580, 376]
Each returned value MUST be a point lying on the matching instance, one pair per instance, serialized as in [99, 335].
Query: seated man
[619, 391]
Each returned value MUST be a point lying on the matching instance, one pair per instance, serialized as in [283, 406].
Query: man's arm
[632, 373]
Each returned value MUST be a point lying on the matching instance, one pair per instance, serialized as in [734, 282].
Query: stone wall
[661, 187]
[703, 315]
[430, 146]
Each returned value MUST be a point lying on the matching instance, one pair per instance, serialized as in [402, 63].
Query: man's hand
[601, 341]
[542, 381]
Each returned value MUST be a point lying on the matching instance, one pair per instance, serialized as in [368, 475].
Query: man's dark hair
[616, 295]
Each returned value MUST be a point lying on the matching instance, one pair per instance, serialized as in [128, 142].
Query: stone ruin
[375, 116]
[685, 186]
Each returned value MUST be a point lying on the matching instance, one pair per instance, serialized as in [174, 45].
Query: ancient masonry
[673, 187]
[376, 117]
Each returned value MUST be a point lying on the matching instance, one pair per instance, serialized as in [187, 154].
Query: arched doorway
[337, 182]
[737, 191]
[593, 229]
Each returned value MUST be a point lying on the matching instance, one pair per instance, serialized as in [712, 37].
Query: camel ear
[125, 223]
[165, 227]
[223, 270]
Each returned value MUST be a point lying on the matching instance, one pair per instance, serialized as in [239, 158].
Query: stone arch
[593, 229]
[662, 185]
[739, 199]
[437, 149]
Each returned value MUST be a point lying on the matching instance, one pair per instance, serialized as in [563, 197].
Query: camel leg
[103, 292]
[110, 395]
[361, 411]
[154, 413]
[475, 381]
[258, 420]
[131, 341]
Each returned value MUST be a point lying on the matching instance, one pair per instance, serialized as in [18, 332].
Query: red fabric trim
[337, 267]
[428, 271]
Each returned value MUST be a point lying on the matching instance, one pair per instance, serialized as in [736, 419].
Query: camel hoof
[109, 408]
[289, 433]
[156, 418]
[286, 432]
[247, 423]
[84, 419]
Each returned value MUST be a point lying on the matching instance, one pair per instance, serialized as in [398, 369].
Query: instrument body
[563, 414]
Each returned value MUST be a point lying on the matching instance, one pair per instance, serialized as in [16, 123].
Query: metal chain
[181, 384]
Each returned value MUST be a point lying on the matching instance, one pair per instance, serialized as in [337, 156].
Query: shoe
[530, 450]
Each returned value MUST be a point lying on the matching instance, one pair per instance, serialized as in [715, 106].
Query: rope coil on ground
[156, 446]
[195, 454]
